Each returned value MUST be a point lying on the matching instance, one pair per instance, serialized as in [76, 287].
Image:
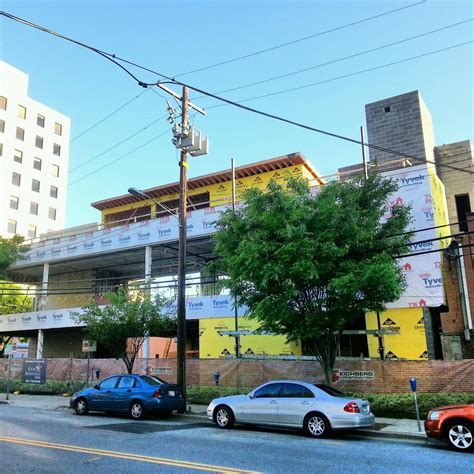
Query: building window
[20, 133]
[34, 208]
[16, 179]
[463, 207]
[11, 226]
[14, 201]
[40, 120]
[53, 192]
[57, 149]
[35, 185]
[52, 213]
[3, 103]
[39, 142]
[2, 126]
[22, 112]
[37, 163]
[58, 129]
[31, 231]
[18, 156]
[387, 109]
[55, 171]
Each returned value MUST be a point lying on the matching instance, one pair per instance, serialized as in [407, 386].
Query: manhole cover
[143, 428]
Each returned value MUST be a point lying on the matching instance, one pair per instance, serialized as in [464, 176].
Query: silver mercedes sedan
[316, 408]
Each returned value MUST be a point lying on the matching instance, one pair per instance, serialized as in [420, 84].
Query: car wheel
[80, 406]
[317, 425]
[224, 417]
[460, 435]
[137, 410]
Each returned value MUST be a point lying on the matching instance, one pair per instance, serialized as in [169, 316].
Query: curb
[390, 434]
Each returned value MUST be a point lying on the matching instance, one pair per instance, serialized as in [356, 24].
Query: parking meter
[97, 374]
[217, 376]
[413, 388]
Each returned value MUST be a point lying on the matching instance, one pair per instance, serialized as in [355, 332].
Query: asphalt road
[56, 441]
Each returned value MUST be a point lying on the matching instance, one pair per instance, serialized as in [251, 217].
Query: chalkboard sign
[34, 371]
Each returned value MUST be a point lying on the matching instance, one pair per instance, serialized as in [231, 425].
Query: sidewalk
[386, 427]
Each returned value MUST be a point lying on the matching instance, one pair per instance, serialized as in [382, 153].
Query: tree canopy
[10, 251]
[307, 263]
[131, 315]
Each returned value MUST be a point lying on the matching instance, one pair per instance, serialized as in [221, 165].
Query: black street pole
[183, 184]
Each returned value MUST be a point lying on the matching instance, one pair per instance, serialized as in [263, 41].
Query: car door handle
[108, 391]
[129, 390]
[273, 402]
[304, 403]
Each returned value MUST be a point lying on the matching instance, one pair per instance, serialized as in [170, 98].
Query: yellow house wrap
[213, 346]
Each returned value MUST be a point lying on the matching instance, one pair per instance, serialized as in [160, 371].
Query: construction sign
[214, 343]
[409, 344]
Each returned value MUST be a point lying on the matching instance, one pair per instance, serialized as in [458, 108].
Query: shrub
[51, 387]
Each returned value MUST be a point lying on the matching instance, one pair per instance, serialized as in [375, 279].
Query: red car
[455, 423]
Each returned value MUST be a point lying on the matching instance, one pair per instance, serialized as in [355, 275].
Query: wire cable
[108, 116]
[119, 158]
[118, 144]
[299, 40]
[241, 106]
[351, 56]
[108, 56]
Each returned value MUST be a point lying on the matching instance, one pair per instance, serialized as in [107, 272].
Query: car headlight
[434, 415]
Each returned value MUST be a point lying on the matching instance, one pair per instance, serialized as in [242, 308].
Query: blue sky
[176, 37]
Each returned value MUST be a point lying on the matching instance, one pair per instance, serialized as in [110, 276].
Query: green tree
[11, 250]
[130, 316]
[13, 299]
[306, 265]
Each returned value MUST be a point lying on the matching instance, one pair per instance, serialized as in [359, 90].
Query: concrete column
[148, 261]
[39, 345]
[44, 288]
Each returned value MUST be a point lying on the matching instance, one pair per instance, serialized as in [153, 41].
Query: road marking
[129, 456]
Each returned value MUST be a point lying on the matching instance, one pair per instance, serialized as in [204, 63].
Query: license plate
[171, 393]
[365, 410]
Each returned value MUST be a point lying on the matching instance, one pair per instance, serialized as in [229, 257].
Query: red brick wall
[389, 376]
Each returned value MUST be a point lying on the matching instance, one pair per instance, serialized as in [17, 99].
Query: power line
[121, 142]
[299, 40]
[244, 107]
[108, 116]
[327, 63]
[104, 54]
[119, 158]
[312, 84]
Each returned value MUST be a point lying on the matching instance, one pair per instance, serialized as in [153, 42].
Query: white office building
[34, 155]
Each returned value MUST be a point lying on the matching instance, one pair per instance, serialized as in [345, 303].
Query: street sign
[89, 346]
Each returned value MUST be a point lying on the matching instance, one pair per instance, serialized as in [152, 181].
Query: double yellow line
[129, 456]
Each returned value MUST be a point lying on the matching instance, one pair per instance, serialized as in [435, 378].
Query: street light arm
[137, 192]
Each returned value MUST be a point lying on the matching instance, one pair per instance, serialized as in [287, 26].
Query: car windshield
[152, 380]
[330, 390]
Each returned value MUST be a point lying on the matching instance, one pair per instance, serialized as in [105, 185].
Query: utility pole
[187, 140]
[236, 308]
[183, 188]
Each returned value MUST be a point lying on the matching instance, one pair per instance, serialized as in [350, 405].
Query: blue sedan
[130, 393]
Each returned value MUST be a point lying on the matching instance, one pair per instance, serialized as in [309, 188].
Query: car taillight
[352, 407]
[157, 394]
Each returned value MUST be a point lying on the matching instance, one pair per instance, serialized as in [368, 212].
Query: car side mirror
[97, 386]
[251, 395]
